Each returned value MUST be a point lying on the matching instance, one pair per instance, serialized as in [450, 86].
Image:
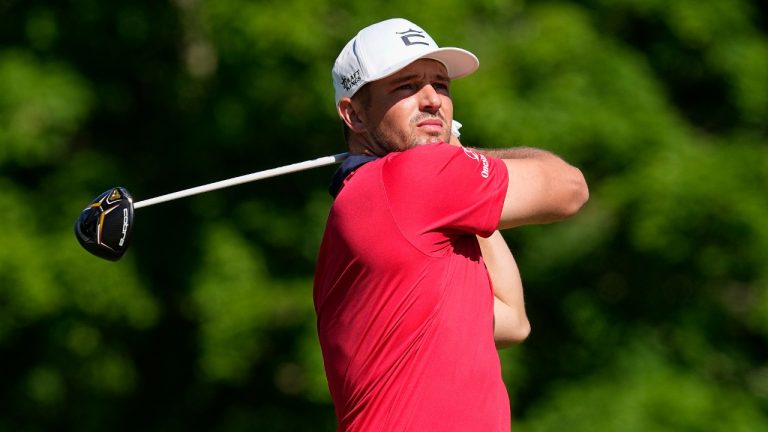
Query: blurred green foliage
[649, 309]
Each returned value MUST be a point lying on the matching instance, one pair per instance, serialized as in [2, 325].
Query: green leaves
[42, 104]
[648, 308]
[645, 392]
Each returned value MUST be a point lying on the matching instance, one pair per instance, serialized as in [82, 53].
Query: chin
[429, 139]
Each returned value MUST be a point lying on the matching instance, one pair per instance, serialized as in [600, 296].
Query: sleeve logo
[478, 157]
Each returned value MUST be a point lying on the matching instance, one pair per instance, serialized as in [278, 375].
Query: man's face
[410, 108]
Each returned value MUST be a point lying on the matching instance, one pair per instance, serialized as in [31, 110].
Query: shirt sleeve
[439, 191]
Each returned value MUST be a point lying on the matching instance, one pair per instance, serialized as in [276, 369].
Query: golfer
[405, 303]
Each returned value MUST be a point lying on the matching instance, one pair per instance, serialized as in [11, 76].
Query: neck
[364, 144]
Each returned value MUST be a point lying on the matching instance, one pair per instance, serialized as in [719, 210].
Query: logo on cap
[350, 81]
[410, 33]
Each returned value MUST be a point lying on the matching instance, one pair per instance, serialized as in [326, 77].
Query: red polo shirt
[404, 303]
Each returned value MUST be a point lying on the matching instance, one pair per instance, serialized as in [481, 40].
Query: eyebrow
[409, 77]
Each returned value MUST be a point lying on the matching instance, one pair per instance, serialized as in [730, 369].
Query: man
[405, 305]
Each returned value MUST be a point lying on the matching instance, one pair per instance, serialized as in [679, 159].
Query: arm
[542, 188]
[510, 323]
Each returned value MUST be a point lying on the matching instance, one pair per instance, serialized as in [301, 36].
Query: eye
[407, 86]
[442, 88]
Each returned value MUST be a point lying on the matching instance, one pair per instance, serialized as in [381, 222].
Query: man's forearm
[510, 320]
[514, 153]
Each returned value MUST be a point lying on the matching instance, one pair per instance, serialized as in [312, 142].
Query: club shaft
[274, 172]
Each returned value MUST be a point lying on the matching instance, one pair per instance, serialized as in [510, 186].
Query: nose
[429, 99]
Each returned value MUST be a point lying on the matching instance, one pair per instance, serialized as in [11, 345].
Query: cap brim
[458, 62]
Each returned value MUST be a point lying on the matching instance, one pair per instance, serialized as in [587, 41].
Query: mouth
[434, 125]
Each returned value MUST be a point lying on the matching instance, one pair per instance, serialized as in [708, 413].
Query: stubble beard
[392, 140]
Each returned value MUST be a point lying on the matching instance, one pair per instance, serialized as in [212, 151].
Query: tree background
[649, 309]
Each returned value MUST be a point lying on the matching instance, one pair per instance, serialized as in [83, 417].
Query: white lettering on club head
[125, 227]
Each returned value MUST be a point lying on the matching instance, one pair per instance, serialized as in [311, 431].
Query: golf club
[105, 226]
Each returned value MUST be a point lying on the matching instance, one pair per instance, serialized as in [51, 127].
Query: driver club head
[105, 225]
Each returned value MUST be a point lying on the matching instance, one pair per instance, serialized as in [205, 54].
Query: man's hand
[455, 134]
[510, 324]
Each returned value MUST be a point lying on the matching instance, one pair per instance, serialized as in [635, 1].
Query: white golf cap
[384, 48]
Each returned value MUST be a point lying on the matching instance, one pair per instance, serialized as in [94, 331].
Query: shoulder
[441, 160]
[429, 157]
[435, 150]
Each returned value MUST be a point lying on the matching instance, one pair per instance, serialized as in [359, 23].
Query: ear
[351, 115]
